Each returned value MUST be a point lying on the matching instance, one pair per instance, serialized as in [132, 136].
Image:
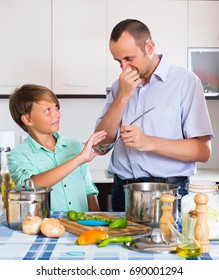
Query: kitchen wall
[183, 24]
[78, 120]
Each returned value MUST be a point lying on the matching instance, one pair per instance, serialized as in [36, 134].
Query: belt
[168, 180]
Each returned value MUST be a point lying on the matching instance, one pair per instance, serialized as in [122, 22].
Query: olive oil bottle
[189, 250]
[189, 247]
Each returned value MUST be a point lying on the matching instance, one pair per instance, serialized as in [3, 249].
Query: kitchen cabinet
[203, 20]
[25, 49]
[167, 21]
[79, 47]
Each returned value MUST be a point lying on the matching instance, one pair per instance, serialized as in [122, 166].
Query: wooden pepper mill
[167, 209]
[201, 230]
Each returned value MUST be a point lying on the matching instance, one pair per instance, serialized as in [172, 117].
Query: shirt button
[69, 203]
[65, 186]
[133, 162]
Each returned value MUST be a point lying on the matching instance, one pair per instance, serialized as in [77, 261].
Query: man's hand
[128, 81]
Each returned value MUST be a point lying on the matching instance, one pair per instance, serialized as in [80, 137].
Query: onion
[52, 227]
[32, 224]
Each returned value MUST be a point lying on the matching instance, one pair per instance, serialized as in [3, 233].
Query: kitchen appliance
[28, 200]
[142, 202]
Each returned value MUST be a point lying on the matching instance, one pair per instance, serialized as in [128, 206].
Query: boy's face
[44, 118]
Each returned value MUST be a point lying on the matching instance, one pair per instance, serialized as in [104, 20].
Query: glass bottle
[187, 204]
[190, 247]
[187, 246]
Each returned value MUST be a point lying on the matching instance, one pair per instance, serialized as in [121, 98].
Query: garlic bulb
[32, 224]
[52, 227]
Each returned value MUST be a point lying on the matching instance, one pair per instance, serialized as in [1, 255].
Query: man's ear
[26, 120]
[149, 47]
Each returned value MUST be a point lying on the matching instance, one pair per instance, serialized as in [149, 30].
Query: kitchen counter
[15, 245]
[102, 176]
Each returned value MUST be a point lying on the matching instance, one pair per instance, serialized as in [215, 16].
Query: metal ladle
[103, 149]
[154, 238]
[157, 236]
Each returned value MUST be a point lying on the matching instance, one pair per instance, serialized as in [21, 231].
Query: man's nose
[124, 65]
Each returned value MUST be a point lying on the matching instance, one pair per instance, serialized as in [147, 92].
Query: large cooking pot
[142, 203]
[28, 200]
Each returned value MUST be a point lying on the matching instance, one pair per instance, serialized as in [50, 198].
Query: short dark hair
[22, 99]
[137, 29]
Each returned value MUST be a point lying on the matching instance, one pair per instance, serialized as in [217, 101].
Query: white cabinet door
[167, 21]
[79, 47]
[203, 24]
[25, 48]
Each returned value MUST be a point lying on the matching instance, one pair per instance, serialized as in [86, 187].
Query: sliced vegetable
[92, 236]
[74, 215]
[107, 220]
[115, 239]
[120, 222]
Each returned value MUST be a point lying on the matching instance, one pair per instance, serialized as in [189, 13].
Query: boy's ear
[25, 119]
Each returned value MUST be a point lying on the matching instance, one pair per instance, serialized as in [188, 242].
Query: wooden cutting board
[77, 229]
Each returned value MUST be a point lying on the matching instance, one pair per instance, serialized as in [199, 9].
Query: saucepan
[28, 200]
[142, 203]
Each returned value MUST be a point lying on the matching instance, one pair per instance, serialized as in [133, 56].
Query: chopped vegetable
[91, 236]
[108, 220]
[118, 223]
[115, 239]
[74, 215]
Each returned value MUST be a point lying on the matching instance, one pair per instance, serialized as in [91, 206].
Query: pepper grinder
[167, 209]
[201, 227]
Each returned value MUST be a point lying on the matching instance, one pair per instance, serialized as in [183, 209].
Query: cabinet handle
[75, 85]
[8, 85]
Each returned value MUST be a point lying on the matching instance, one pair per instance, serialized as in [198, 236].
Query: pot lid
[29, 188]
[37, 190]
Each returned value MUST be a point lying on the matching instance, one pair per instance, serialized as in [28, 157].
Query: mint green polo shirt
[30, 158]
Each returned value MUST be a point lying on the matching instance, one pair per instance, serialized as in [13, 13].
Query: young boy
[47, 158]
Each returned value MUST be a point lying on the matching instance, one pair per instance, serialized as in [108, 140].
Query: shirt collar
[162, 68]
[36, 146]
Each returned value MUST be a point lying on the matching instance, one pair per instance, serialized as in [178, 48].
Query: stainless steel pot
[142, 203]
[29, 200]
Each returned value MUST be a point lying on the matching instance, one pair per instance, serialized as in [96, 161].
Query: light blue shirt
[30, 158]
[180, 112]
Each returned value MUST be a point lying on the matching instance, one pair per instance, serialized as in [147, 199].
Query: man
[165, 144]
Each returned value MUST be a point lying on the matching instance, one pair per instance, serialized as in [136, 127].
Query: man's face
[128, 54]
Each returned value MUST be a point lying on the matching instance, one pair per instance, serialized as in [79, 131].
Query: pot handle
[14, 201]
[31, 184]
